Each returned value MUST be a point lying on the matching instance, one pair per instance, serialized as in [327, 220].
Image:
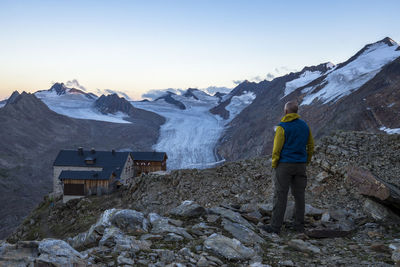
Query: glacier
[189, 137]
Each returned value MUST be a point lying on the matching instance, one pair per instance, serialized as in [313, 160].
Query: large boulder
[114, 238]
[160, 225]
[94, 234]
[56, 252]
[130, 221]
[242, 233]
[21, 254]
[231, 215]
[379, 212]
[188, 209]
[228, 248]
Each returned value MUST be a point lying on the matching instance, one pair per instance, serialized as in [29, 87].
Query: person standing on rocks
[293, 149]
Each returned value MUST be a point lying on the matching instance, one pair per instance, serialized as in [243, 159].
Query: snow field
[345, 80]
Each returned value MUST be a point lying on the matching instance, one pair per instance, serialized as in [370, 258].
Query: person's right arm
[279, 140]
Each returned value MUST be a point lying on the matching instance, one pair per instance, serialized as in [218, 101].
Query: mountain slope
[332, 101]
[32, 135]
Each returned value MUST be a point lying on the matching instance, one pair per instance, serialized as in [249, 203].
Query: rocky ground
[212, 217]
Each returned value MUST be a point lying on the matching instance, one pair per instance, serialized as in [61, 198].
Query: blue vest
[296, 139]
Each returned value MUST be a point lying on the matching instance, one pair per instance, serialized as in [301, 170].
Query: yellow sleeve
[310, 147]
[279, 140]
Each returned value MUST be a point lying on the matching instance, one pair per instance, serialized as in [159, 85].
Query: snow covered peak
[352, 74]
[388, 41]
[329, 65]
[59, 88]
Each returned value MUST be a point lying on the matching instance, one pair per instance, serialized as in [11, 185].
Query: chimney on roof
[113, 151]
[80, 150]
[92, 151]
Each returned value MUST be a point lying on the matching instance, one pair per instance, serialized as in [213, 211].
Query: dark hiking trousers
[287, 175]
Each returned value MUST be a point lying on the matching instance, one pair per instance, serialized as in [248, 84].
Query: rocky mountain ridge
[150, 221]
[353, 95]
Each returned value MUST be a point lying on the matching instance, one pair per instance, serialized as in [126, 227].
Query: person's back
[293, 148]
[296, 139]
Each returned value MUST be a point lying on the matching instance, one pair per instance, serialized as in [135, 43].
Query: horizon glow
[137, 46]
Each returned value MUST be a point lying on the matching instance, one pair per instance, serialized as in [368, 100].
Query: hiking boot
[269, 229]
[298, 228]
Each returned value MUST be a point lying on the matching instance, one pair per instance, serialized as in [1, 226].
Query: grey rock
[58, 252]
[214, 259]
[186, 252]
[125, 261]
[242, 233]
[165, 255]
[171, 237]
[114, 238]
[259, 264]
[303, 246]
[160, 225]
[93, 235]
[203, 262]
[130, 221]
[228, 248]
[322, 177]
[13, 255]
[396, 257]
[378, 212]
[231, 215]
[286, 263]
[325, 217]
[188, 209]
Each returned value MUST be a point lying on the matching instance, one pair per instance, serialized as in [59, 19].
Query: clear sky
[135, 46]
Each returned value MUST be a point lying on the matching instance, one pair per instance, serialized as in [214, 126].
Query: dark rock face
[34, 134]
[12, 98]
[59, 88]
[169, 99]
[219, 95]
[246, 86]
[189, 93]
[113, 104]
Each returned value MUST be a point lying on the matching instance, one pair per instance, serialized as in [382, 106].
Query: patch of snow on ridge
[238, 103]
[345, 80]
[390, 131]
[77, 106]
[304, 79]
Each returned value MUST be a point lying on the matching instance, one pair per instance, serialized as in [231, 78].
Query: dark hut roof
[101, 159]
[85, 175]
[149, 156]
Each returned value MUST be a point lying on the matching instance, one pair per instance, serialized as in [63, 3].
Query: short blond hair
[292, 107]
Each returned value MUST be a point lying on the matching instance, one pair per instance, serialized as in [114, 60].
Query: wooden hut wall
[90, 185]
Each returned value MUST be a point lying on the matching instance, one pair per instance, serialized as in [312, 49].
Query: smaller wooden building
[145, 162]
